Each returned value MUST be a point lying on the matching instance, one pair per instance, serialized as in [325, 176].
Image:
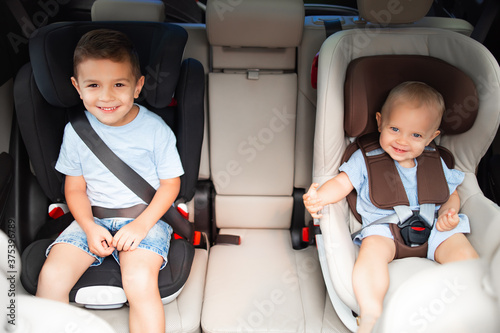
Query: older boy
[108, 79]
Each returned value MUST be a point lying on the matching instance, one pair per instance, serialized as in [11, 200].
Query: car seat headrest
[128, 10]
[51, 52]
[370, 79]
[256, 23]
[387, 12]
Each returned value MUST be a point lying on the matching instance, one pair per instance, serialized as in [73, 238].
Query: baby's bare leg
[455, 248]
[371, 278]
[63, 267]
[140, 269]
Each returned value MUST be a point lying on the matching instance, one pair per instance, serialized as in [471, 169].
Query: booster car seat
[357, 68]
[44, 96]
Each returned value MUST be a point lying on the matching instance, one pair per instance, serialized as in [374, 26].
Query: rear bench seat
[263, 284]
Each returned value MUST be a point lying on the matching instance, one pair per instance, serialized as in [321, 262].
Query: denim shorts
[435, 239]
[157, 239]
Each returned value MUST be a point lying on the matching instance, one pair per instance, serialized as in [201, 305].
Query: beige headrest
[255, 23]
[128, 10]
[393, 11]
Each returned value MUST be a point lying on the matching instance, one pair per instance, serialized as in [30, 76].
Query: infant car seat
[357, 68]
[43, 98]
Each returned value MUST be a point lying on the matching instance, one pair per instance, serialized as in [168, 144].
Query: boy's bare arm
[129, 237]
[98, 238]
[448, 213]
[330, 192]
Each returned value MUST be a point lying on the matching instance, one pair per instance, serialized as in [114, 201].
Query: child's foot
[366, 324]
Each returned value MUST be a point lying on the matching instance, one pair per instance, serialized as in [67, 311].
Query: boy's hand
[448, 220]
[129, 236]
[311, 201]
[99, 240]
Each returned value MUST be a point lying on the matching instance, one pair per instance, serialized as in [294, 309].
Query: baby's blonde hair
[418, 93]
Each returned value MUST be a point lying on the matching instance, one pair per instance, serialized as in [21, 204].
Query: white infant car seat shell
[420, 296]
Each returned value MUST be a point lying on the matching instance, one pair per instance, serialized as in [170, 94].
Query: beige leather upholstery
[128, 10]
[182, 314]
[385, 12]
[263, 284]
[468, 148]
[252, 131]
[271, 23]
[493, 282]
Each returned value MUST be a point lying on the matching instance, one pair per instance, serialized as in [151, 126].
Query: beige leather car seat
[423, 295]
[263, 284]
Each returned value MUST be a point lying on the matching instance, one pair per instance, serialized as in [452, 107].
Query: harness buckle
[415, 230]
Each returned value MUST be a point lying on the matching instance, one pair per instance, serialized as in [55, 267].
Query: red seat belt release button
[305, 234]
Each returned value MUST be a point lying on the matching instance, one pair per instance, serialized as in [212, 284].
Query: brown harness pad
[387, 190]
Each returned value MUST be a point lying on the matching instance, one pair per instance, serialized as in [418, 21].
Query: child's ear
[75, 84]
[378, 116]
[138, 87]
[434, 136]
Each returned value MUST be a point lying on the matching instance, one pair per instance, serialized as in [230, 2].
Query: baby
[408, 122]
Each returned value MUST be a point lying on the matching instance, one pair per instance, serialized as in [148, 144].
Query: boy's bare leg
[140, 269]
[63, 267]
[455, 248]
[370, 278]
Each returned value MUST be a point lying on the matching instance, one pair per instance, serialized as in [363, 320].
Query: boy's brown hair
[418, 93]
[106, 44]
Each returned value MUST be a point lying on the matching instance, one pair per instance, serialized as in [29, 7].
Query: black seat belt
[332, 26]
[125, 173]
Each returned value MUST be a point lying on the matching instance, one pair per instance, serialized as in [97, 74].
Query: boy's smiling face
[405, 131]
[108, 89]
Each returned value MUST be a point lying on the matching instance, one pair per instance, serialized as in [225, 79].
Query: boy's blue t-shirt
[355, 168]
[146, 144]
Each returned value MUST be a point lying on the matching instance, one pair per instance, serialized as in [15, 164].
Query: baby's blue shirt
[355, 168]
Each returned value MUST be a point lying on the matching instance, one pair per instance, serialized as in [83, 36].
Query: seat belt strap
[125, 173]
[130, 212]
[392, 218]
[227, 239]
[120, 169]
[332, 26]
[403, 213]
[428, 213]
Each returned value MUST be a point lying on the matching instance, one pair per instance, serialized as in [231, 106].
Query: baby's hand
[448, 220]
[311, 201]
